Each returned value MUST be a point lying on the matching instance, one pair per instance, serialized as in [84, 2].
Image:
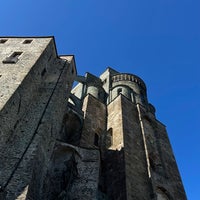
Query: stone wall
[137, 161]
[138, 182]
[162, 165]
[106, 143]
[72, 173]
[94, 122]
[31, 115]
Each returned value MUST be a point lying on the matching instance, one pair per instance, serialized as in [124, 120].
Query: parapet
[130, 78]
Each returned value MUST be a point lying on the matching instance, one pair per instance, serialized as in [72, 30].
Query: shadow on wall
[72, 173]
[71, 129]
[51, 180]
[112, 184]
[54, 181]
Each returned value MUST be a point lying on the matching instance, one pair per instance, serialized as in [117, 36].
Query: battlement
[129, 77]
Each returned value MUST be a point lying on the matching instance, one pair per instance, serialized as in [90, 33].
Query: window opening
[109, 141]
[43, 72]
[27, 41]
[142, 97]
[72, 70]
[162, 194]
[13, 58]
[2, 41]
[16, 54]
[96, 139]
[119, 91]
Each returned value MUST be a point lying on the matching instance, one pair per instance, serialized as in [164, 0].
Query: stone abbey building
[98, 141]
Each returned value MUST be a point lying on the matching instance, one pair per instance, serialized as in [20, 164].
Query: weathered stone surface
[39, 98]
[94, 121]
[136, 157]
[102, 141]
[72, 173]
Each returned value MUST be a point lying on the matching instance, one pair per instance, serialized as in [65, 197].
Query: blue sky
[158, 40]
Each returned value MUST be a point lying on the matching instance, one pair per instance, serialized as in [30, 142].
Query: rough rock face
[99, 141]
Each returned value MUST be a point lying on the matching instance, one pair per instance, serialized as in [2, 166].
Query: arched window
[162, 194]
[119, 91]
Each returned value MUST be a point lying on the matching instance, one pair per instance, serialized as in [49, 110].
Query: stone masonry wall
[72, 173]
[26, 118]
[114, 122]
[113, 168]
[138, 185]
[94, 121]
[172, 183]
[15, 96]
[162, 165]
[95, 147]
[40, 146]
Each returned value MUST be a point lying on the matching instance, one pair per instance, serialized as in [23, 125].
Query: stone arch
[72, 126]
[163, 194]
[121, 89]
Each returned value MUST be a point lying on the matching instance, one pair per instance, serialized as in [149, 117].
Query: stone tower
[137, 161]
[100, 140]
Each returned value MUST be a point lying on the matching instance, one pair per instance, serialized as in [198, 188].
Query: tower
[100, 140]
[137, 160]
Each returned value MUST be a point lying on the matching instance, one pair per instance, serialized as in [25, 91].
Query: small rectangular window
[2, 41]
[13, 58]
[27, 41]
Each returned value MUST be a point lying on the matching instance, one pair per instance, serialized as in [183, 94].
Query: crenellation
[128, 77]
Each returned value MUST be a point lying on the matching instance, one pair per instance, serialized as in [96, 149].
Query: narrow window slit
[43, 72]
[96, 139]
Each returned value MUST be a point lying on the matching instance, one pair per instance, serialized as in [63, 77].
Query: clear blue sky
[158, 40]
